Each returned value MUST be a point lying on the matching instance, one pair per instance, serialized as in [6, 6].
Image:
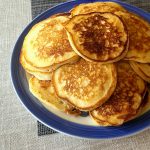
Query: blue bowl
[50, 119]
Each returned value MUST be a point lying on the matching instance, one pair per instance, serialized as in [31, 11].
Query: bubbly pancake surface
[44, 91]
[125, 101]
[47, 43]
[143, 70]
[139, 37]
[85, 84]
[96, 7]
[98, 37]
[41, 75]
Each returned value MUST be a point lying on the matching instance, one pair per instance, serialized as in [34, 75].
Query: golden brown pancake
[47, 43]
[139, 37]
[125, 101]
[97, 7]
[100, 37]
[86, 85]
[44, 91]
[143, 70]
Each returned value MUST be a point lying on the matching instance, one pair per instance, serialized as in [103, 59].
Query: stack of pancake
[95, 59]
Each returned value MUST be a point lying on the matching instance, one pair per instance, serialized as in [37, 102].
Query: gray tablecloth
[17, 126]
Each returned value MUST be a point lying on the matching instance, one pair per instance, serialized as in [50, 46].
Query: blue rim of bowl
[53, 121]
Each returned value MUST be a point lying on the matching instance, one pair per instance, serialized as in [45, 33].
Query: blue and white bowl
[75, 126]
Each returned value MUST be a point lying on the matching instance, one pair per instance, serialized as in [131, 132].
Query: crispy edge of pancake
[61, 14]
[128, 117]
[39, 93]
[139, 71]
[100, 102]
[121, 56]
[75, 11]
[61, 62]
[28, 67]
[101, 122]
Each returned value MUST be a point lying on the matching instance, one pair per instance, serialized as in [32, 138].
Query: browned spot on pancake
[52, 40]
[98, 35]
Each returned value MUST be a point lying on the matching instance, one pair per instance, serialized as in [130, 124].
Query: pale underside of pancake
[143, 70]
[96, 7]
[47, 43]
[29, 67]
[42, 73]
[86, 85]
[98, 37]
[139, 37]
[38, 73]
[125, 101]
[44, 91]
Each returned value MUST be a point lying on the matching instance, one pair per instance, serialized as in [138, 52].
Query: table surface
[18, 128]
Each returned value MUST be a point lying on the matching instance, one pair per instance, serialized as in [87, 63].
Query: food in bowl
[82, 61]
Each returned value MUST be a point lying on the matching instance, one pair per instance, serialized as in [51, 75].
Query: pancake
[47, 43]
[143, 70]
[125, 101]
[96, 7]
[139, 37]
[44, 91]
[86, 85]
[100, 37]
